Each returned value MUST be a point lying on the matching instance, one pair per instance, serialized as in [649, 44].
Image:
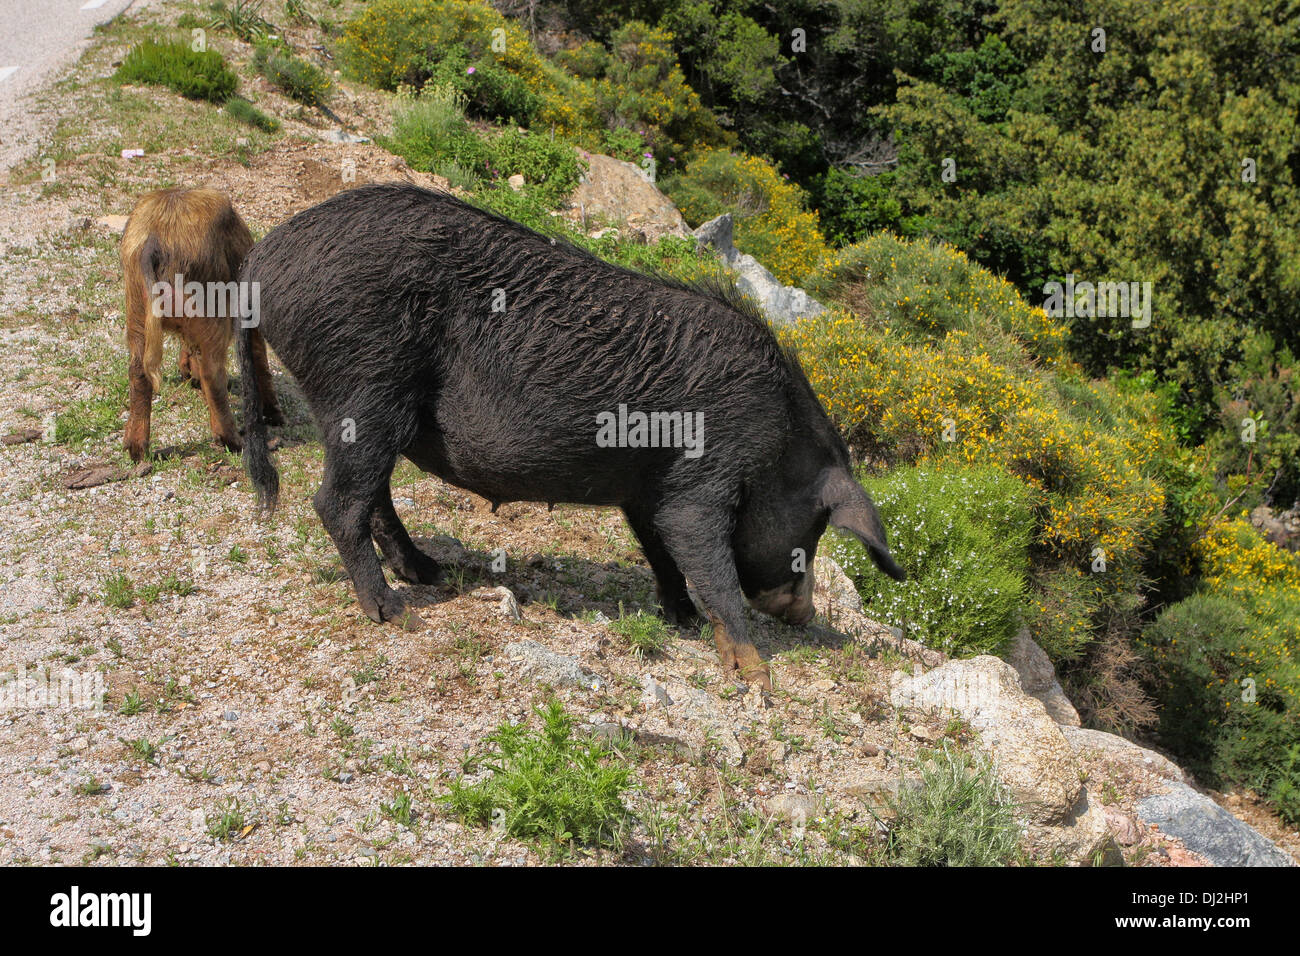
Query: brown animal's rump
[197, 235]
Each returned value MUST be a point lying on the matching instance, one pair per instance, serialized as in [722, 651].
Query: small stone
[112, 223]
[1122, 826]
[653, 693]
[798, 808]
[516, 182]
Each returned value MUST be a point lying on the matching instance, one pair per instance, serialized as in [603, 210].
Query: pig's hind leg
[670, 583]
[407, 561]
[354, 482]
[701, 547]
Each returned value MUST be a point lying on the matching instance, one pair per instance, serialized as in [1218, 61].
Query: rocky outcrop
[1099, 746]
[1282, 529]
[1208, 829]
[782, 303]
[1038, 678]
[1158, 794]
[613, 191]
[1030, 754]
[545, 666]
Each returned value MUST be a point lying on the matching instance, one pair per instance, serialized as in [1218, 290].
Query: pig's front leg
[699, 542]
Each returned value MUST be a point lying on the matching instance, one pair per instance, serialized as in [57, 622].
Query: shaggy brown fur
[196, 234]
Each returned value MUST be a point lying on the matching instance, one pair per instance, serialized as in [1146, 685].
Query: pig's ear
[852, 510]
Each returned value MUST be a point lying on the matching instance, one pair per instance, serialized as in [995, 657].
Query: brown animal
[195, 234]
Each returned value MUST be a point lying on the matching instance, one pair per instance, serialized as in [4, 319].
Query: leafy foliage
[771, 220]
[963, 538]
[1228, 667]
[544, 785]
[302, 81]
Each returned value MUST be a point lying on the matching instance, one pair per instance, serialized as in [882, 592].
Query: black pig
[498, 359]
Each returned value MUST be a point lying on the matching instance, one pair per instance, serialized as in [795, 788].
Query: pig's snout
[791, 602]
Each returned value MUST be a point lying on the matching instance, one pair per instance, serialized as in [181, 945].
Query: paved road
[37, 37]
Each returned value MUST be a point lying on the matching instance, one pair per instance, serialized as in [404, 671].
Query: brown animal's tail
[257, 457]
[149, 262]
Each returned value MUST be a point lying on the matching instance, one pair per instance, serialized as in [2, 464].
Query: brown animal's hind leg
[271, 413]
[407, 561]
[212, 373]
[189, 368]
[701, 547]
[136, 436]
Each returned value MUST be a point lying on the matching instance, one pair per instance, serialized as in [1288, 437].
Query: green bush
[297, 78]
[544, 785]
[1227, 662]
[643, 88]
[243, 18]
[415, 43]
[959, 815]
[249, 114]
[853, 207]
[963, 536]
[196, 75]
[430, 131]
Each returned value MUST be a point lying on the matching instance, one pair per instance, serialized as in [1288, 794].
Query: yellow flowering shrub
[924, 358]
[771, 220]
[469, 44]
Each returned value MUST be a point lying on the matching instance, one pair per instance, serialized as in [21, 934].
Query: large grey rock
[1282, 529]
[1097, 744]
[782, 303]
[1209, 830]
[621, 192]
[1038, 678]
[1030, 755]
[833, 587]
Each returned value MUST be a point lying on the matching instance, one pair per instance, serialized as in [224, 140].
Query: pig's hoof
[753, 669]
[389, 606]
[418, 568]
[758, 674]
[231, 444]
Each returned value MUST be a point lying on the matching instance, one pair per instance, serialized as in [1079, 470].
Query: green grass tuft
[197, 75]
[544, 785]
[959, 816]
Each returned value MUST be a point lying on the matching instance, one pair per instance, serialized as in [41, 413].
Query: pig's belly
[525, 467]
